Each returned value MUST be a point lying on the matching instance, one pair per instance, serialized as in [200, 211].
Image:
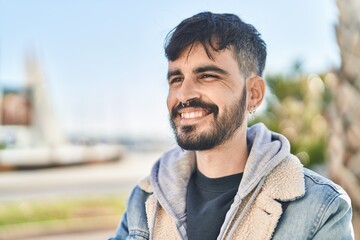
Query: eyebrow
[210, 68]
[173, 73]
[198, 70]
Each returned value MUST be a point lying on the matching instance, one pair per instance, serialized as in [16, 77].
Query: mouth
[196, 110]
[193, 113]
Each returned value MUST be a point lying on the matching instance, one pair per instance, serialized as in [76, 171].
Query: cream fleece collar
[170, 175]
[285, 183]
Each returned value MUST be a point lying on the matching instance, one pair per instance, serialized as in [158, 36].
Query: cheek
[171, 101]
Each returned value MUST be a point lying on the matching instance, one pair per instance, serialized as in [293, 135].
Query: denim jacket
[276, 199]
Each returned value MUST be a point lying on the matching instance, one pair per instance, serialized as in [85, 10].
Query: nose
[187, 91]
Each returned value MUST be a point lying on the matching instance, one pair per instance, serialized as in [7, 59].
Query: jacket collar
[170, 175]
[284, 183]
[276, 187]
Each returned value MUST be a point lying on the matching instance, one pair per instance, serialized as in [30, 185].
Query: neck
[226, 159]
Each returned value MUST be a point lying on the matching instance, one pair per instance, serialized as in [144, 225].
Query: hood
[266, 150]
[171, 173]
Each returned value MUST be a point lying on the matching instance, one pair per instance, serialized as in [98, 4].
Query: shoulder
[329, 205]
[139, 195]
[321, 186]
[324, 210]
[326, 197]
[134, 221]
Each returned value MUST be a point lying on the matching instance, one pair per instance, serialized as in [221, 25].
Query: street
[105, 178]
[113, 178]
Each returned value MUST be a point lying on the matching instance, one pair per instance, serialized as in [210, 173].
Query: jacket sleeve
[335, 223]
[133, 224]
[122, 231]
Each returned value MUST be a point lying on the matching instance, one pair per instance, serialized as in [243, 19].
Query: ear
[256, 91]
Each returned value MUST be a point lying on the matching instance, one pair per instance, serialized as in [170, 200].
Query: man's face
[214, 96]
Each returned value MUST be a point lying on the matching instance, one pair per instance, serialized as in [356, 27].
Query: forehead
[197, 55]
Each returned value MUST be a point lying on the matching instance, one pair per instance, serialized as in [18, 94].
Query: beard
[222, 128]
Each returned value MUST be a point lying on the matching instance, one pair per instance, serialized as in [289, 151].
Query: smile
[190, 115]
[193, 113]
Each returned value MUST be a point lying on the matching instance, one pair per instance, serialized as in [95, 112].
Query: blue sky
[104, 62]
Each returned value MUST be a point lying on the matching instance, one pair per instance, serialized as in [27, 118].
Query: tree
[344, 108]
[296, 108]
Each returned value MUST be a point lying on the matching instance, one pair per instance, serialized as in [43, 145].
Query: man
[224, 180]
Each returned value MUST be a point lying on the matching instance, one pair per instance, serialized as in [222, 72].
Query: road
[105, 178]
[114, 178]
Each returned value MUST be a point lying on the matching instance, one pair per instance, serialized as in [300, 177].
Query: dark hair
[219, 31]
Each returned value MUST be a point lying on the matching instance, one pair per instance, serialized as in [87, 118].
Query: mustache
[196, 103]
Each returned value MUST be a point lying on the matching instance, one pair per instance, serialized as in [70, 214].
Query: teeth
[192, 115]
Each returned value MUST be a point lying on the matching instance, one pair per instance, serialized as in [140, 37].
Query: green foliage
[63, 209]
[295, 107]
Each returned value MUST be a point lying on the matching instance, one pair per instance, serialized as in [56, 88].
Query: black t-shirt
[207, 202]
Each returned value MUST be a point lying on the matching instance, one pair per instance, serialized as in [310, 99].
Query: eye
[175, 80]
[208, 76]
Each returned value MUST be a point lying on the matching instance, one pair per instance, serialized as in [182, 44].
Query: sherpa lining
[285, 183]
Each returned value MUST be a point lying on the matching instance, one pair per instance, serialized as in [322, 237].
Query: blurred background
[83, 101]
